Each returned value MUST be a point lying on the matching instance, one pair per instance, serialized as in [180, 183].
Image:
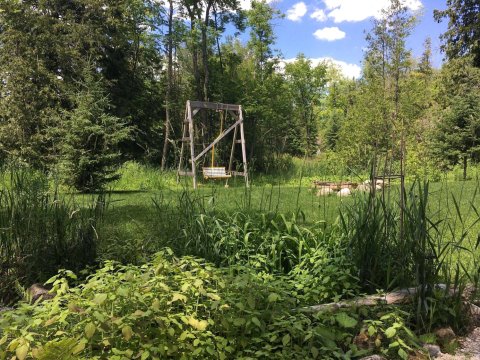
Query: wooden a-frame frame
[188, 137]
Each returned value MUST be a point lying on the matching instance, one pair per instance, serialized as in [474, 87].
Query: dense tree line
[88, 84]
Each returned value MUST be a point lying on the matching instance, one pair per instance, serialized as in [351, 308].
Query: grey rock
[433, 350]
[373, 357]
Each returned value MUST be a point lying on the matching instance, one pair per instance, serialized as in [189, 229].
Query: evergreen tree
[463, 34]
[458, 129]
[89, 137]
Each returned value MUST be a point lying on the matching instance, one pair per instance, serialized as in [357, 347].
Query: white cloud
[297, 11]
[346, 69]
[355, 10]
[247, 4]
[329, 34]
[319, 15]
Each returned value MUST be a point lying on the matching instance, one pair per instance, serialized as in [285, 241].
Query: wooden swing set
[188, 165]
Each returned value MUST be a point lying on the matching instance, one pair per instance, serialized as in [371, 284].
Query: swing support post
[187, 165]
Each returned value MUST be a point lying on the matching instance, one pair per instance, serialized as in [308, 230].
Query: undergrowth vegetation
[41, 231]
[231, 284]
[186, 308]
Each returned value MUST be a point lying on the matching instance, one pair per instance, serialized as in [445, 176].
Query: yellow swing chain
[212, 163]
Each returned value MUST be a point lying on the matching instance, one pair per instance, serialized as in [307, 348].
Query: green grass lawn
[133, 218]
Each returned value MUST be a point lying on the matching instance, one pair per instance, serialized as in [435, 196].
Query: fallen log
[397, 297]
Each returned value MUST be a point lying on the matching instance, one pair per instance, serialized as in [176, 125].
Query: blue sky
[336, 29]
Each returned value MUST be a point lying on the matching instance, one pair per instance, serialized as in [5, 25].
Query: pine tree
[463, 33]
[89, 137]
[458, 129]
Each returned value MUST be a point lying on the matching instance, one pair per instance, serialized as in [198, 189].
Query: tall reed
[41, 231]
[435, 254]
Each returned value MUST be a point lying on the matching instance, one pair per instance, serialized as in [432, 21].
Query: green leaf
[256, 321]
[99, 299]
[371, 330]
[200, 325]
[286, 339]
[22, 351]
[178, 297]
[122, 291]
[403, 354]
[78, 348]
[127, 332]
[390, 332]
[345, 320]
[90, 330]
[273, 297]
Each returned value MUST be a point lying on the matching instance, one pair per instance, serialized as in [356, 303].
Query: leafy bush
[325, 275]
[226, 239]
[390, 334]
[186, 308]
[175, 308]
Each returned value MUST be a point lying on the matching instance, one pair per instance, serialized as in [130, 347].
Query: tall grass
[41, 231]
[195, 227]
[436, 255]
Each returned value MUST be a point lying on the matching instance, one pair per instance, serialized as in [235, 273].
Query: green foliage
[457, 132]
[461, 37]
[41, 231]
[274, 242]
[89, 138]
[307, 86]
[327, 274]
[40, 70]
[391, 335]
[179, 308]
[133, 176]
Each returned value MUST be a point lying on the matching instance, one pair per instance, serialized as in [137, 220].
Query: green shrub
[174, 308]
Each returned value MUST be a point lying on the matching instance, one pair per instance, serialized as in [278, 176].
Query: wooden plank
[244, 150]
[234, 115]
[213, 106]
[238, 173]
[185, 173]
[192, 146]
[220, 137]
[184, 130]
[232, 150]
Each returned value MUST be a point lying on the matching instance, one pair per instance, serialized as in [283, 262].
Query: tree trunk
[465, 162]
[196, 72]
[168, 97]
[206, 77]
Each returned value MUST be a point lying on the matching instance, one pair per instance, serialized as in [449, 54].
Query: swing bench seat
[216, 172]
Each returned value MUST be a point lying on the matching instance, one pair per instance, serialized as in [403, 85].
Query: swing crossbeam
[188, 136]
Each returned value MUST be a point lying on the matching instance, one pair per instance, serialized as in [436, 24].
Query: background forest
[88, 85]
